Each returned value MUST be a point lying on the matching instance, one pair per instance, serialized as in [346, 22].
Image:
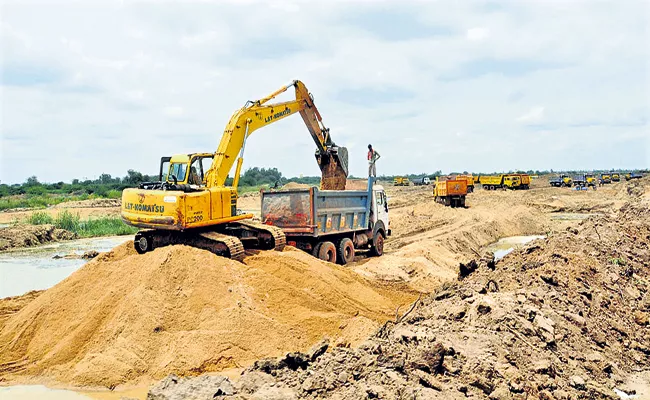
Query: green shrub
[114, 194]
[68, 221]
[40, 218]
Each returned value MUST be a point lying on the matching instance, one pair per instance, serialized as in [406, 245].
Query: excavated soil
[32, 235]
[124, 316]
[565, 317]
[128, 318]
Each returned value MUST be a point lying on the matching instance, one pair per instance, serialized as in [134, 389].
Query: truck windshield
[179, 170]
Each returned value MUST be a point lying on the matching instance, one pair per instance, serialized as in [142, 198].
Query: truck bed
[314, 212]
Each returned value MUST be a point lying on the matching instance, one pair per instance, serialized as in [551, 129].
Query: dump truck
[590, 179]
[450, 191]
[561, 181]
[605, 178]
[330, 224]
[422, 181]
[470, 181]
[616, 177]
[493, 182]
[525, 181]
[579, 180]
[401, 181]
[633, 175]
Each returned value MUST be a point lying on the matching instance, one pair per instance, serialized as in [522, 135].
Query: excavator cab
[186, 169]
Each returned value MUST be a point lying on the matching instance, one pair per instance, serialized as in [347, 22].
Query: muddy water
[35, 268]
[505, 246]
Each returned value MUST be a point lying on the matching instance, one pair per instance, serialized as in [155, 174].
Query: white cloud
[149, 73]
[477, 34]
[535, 114]
[174, 111]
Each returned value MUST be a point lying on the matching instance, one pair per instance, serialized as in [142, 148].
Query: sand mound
[179, 309]
[562, 318]
[295, 185]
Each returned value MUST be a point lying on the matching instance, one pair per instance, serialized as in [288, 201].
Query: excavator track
[214, 242]
[228, 240]
[277, 237]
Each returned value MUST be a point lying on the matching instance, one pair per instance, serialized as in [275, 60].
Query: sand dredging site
[575, 302]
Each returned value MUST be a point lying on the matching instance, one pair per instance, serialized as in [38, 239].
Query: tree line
[108, 186]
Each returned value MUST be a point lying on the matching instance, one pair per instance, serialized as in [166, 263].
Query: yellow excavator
[191, 203]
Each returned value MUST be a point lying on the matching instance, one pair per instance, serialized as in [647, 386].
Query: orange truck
[450, 192]
[470, 181]
[524, 181]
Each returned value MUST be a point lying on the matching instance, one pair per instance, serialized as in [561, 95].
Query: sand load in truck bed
[179, 309]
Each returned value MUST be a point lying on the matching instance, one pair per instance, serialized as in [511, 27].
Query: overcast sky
[105, 86]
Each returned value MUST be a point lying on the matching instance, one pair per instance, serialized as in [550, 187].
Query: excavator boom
[332, 160]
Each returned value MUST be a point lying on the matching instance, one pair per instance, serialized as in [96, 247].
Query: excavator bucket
[334, 168]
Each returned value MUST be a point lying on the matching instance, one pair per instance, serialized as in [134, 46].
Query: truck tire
[345, 251]
[327, 252]
[377, 248]
[462, 202]
[316, 249]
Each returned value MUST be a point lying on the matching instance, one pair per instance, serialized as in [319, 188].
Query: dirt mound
[91, 203]
[178, 309]
[31, 235]
[563, 318]
[295, 185]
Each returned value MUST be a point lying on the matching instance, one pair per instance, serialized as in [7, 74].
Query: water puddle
[506, 245]
[20, 392]
[571, 216]
[35, 268]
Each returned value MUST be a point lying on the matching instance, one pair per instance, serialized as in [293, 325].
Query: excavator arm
[332, 160]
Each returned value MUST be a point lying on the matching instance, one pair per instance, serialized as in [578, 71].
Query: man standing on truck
[373, 156]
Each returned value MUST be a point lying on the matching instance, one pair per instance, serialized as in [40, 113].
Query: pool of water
[507, 245]
[20, 392]
[571, 216]
[35, 268]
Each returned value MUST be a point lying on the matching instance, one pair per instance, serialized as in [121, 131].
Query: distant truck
[561, 181]
[422, 181]
[633, 175]
[450, 192]
[605, 178]
[330, 224]
[616, 177]
[470, 181]
[525, 181]
[401, 181]
[493, 182]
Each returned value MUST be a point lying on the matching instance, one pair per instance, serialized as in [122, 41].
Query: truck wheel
[327, 252]
[142, 244]
[377, 248]
[316, 249]
[462, 202]
[346, 251]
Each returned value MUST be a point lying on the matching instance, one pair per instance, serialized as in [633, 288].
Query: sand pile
[429, 239]
[90, 203]
[295, 185]
[562, 318]
[178, 309]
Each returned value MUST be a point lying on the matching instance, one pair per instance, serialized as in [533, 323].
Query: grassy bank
[101, 226]
[46, 200]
